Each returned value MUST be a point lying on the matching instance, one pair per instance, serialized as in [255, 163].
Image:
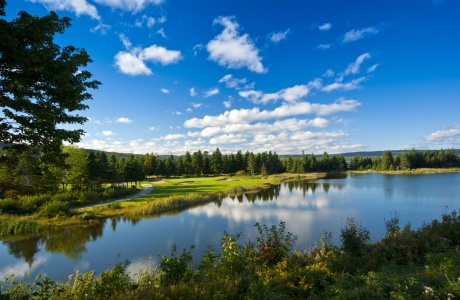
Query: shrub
[354, 237]
[10, 206]
[54, 208]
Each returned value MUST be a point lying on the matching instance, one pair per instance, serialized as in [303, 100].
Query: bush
[354, 237]
[10, 206]
[54, 208]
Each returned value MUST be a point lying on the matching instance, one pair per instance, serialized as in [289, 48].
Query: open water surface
[307, 208]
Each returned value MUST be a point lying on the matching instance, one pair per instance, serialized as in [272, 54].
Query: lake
[307, 207]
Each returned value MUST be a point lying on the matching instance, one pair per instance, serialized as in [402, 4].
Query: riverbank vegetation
[404, 264]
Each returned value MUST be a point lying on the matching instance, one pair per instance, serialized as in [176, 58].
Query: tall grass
[174, 203]
[15, 226]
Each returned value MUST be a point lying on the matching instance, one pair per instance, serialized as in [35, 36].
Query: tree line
[408, 160]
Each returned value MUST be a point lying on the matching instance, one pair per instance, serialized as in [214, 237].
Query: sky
[283, 76]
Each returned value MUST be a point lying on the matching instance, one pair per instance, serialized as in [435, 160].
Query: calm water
[307, 207]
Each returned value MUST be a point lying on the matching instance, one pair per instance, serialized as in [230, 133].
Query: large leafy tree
[42, 86]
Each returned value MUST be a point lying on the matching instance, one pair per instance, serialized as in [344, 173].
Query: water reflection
[307, 207]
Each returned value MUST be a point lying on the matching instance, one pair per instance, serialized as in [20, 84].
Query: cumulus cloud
[197, 105]
[228, 139]
[227, 104]
[165, 91]
[276, 37]
[291, 94]
[232, 50]
[325, 27]
[261, 127]
[211, 92]
[192, 92]
[445, 135]
[79, 7]
[123, 120]
[107, 133]
[245, 116]
[354, 35]
[173, 137]
[133, 61]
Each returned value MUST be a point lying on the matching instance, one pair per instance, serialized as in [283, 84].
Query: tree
[217, 162]
[42, 85]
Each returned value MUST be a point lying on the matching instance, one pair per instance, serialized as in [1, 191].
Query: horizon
[265, 76]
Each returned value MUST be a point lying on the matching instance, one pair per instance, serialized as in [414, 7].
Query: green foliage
[273, 244]
[176, 268]
[354, 237]
[42, 83]
[15, 226]
[10, 206]
[54, 208]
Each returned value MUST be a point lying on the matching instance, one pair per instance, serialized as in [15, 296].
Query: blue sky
[287, 76]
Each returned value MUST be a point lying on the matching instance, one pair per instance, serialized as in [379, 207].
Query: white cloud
[152, 128]
[130, 64]
[103, 28]
[354, 35]
[324, 46]
[372, 68]
[125, 41]
[149, 21]
[123, 120]
[128, 5]
[352, 85]
[161, 55]
[329, 73]
[445, 135]
[252, 95]
[325, 27]
[227, 104]
[233, 50]
[192, 92]
[197, 105]
[353, 68]
[79, 7]
[133, 61]
[278, 36]
[161, 32]
[228, 139]
[165, 91]
[261, 127]
[211, 92]
[173, 137]
[177, 113]
[291, 94]
[245, 116]
[232, 82]
[107, 133]
[189, 110]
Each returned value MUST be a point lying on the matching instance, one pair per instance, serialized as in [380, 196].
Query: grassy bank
[171, 195]
[405, 264]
